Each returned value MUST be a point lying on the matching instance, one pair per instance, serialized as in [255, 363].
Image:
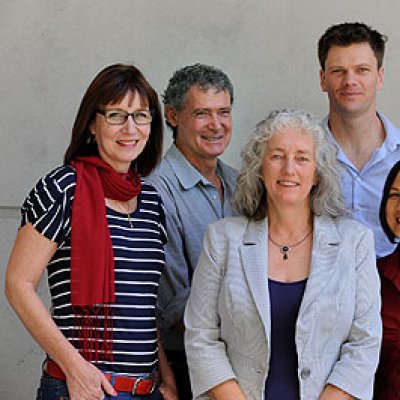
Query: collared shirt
[362, 190]
[191, 203]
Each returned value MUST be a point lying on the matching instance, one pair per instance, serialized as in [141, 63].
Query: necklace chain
[125, 212]
[285, 248]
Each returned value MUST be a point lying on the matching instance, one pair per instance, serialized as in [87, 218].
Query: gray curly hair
[200, 75]
[250, 197]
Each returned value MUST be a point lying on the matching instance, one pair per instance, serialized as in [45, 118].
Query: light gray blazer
[338, 329]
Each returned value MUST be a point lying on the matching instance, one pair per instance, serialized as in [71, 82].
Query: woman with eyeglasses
[387, 380]
[98, 229]
[284, 303]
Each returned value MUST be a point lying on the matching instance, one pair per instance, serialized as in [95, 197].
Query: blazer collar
[254, 257]
[323, 259]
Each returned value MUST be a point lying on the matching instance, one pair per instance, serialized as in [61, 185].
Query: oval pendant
[285, 250]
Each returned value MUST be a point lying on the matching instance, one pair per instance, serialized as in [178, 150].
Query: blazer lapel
[323, 259]
[254, 258]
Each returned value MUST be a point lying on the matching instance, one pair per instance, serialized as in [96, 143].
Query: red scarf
[92, 257]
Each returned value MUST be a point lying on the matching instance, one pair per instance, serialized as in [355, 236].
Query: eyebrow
[357, 65]
[142, 108]
[212, 108]
[282, 149]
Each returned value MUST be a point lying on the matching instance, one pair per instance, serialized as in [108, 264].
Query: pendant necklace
[285, 248]
[127, 214]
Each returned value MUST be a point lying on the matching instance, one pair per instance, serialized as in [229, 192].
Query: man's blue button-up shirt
[191, 203]
[362, 190]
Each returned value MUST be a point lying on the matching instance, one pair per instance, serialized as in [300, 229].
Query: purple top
[282, 381]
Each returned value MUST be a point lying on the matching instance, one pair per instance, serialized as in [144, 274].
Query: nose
[289, 166]
[215, 122]
[349, 78]
[130, 124]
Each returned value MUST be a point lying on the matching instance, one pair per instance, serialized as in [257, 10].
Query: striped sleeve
[159, 208]
[48, 205]
[164, 236]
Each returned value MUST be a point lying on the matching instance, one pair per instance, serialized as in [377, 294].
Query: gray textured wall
[51, 49]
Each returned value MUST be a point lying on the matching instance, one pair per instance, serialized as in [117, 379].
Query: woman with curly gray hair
[285, 298]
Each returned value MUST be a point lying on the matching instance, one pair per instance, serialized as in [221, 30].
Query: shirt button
[214, 196]
[305, 373]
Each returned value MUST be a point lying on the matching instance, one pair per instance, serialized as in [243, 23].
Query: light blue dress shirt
[362, 190]
[191, 203]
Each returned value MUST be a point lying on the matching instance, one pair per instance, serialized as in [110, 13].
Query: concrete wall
[51, 49]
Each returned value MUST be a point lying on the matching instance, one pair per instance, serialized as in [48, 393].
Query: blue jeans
[56, 389]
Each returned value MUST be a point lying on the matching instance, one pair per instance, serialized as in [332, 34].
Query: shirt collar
[392, 139]
[186, 173]
[392, 133]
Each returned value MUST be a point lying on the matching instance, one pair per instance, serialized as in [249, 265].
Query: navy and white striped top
[138, 256]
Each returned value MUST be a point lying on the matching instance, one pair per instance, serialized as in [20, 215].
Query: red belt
[121, 383]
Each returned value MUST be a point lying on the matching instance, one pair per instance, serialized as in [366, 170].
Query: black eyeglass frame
[126, 114]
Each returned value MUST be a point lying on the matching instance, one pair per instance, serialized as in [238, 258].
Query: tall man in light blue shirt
[196, 187]
[351, 56]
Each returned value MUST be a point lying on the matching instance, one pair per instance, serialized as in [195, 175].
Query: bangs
[116, 94]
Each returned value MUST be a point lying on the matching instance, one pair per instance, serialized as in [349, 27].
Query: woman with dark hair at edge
[387, 379]
[98, 229]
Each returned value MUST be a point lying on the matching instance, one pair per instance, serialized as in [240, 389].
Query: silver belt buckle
[136, 384]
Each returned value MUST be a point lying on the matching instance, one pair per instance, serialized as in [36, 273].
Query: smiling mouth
[351, 94]
[288, 183]
[132, 142]
[213, 138]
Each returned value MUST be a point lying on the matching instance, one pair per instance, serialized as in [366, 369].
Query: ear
[322, 80]
[92, 129]
[171, 115]
[381, 74]
[316, 178]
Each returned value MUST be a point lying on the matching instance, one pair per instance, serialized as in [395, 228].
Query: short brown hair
[347, 34]
[109, 87]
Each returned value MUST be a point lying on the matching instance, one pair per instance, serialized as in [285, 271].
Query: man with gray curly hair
[196, 187]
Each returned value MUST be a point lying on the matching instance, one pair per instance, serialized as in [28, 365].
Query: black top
[282, 381]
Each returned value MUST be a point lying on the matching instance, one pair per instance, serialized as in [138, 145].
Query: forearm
[165, 370]
[334, 393]
[226, 391]
[168, 385]
[84, 380]
[36, 318]
[28, 261]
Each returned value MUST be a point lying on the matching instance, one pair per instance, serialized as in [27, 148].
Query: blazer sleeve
[206, 352]
[354, 371]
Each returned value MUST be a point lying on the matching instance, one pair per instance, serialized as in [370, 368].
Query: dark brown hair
[347, 34]
[109, 87]
[385, 196]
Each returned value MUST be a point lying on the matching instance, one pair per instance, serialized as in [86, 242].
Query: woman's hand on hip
[86, 382]
[168, 391]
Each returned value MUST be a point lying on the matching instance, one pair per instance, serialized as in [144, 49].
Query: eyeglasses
[118, 117]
